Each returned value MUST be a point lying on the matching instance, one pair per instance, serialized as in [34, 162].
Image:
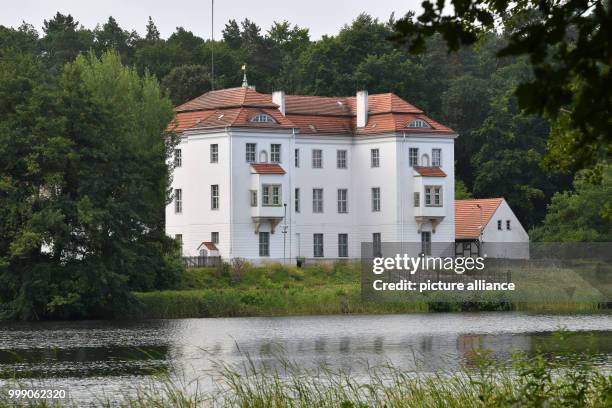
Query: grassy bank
[530, 382]
[275, 290]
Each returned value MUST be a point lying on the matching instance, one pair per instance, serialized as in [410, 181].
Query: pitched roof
[228, 98]
[387, 113]
[468, 216]
[267, 168]
[429, 171]
[209, 245]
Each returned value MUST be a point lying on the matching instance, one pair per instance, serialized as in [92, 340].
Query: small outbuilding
[488, 227]
[208, 248]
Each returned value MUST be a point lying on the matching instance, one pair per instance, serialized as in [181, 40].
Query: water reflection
[94, 356]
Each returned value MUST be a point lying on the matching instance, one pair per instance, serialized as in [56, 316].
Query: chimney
[278, 97]
[362, 108]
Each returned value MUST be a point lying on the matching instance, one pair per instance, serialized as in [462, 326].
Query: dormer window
[418, 123]
[262, 118]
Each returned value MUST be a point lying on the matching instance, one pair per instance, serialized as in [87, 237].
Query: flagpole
[212, 45]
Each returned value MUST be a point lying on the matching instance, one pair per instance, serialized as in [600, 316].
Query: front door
[426, 242]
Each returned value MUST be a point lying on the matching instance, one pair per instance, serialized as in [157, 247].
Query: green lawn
[276, 290]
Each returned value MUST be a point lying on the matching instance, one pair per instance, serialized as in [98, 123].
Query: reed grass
[528, 382]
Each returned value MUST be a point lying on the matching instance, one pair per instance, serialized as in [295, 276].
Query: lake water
[102, 359]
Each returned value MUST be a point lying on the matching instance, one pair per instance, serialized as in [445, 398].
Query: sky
[320, 16]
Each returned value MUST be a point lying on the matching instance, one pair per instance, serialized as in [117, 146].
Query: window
[178, 201]
[317, 200]
[418, 123]
[214, 237]
[413, 156]
[376, 244]
[264, 244]
[375, 198]
[317, 241]
[275, 153]
[250, 152]
[417, 199]
[297, 200]
[271, 195]
[426, 242]
[342, 245]
[433, 196]
[507, 224]
[214, 153]
[342, 200]
[178, 158]
[253, 198]
[297, 158]
[179, 240]
[436, 157]
[499, 225]
[262, 118]
[214, 197]
[341, 159]
[374, 158]
[317, 159]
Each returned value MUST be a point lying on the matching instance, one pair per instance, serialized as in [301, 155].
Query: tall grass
[529, 382]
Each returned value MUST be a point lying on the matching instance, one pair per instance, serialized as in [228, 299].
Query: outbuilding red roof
[267, 168]
[429, 171]
[209, 245]
[471, 214]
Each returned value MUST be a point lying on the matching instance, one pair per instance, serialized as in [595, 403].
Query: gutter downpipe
[403, 227]
[291, 192]
[231, 208]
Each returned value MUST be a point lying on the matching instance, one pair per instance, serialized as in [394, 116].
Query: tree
[152, 31]
[186, 82]
[64, 40]
[84, 184]
[568, 45]
[112, 37]
[584, 214]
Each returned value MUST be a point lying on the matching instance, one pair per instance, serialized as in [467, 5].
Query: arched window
[263, 156]
[262, 118]
[418, 123]
[425, 160]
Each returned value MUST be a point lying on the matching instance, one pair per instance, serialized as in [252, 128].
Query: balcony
[267, 214]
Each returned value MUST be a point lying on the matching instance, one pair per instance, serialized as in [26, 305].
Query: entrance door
[426, 242]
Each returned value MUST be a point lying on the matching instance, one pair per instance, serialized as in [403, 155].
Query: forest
[500, 150]
[69, 95]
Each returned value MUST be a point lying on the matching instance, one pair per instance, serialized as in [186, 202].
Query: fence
[201, 261]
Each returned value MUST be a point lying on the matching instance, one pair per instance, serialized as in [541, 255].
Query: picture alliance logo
[424, 263]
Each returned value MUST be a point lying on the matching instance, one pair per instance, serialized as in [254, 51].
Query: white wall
[236, 228]
[504, 243]
[195, 177]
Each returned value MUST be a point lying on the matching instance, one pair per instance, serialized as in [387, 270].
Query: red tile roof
[468, 216]
[228, 98]
[429, 171]
[387, 113]
[209, 245]
[267, 168]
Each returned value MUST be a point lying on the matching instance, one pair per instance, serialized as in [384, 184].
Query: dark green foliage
[568, 45]
[186, 82]
[582, 215]
[83, 183]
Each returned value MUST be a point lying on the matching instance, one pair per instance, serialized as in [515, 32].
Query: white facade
[239, 224]
[504, 236]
